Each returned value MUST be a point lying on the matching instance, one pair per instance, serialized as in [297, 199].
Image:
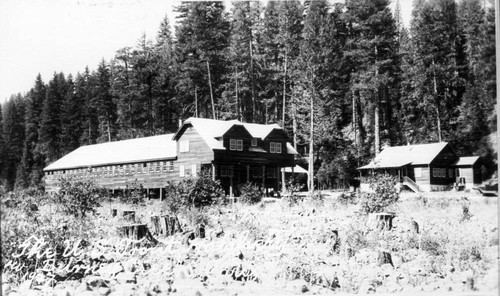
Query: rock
[397, 261]
[123, 290]
[126, 278]
[110, 270]
[384, 258]
[97, 282]
[104, 291]
[297, 286]
[131, 265]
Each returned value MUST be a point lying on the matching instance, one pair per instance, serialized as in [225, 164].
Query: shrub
[134, 194]
[177, 195]
[79, 197]
[250, 193]
[206, 191]
[294, 187]
[384, 193]
[347, 198]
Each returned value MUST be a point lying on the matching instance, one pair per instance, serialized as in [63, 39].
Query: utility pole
[211, 92]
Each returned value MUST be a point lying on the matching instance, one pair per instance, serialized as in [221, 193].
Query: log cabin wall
[441, 168]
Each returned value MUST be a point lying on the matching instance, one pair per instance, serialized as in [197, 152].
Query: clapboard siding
[199, 152]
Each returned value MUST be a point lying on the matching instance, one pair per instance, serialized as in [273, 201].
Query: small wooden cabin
[423, 167]
[234, 153]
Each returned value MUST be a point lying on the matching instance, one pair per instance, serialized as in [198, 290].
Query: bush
[250, 193]
[79, 197]
[134, 194]
[197, 192]
[206, 191]
[384, 193]
[347, 198]
[294, 187]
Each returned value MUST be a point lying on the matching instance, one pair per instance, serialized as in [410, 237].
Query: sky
[47, 36]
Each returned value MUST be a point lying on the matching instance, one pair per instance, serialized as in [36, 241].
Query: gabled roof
[398, 156]
[210, 130]
[126, 151]
[465, 161]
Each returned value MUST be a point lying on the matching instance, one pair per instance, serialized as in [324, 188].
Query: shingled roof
[398, 156]
[127, 151]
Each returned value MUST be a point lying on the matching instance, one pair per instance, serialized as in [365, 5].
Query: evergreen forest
[343, 79]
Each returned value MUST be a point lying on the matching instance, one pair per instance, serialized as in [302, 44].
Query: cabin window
[439, 173]
[254, 142]
[181, 170]
[121, 169]
[236, 144]
[226, 171]
[151, 167]
[278, 147]
[132, 169]
[450, 173]
[170, 166]
[193, 170]
[272, 147]
[158, 167]
[184, 146]
[257, 172]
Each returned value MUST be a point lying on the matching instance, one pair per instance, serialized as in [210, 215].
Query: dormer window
[254, 142]
[275, 147]
[235, 144]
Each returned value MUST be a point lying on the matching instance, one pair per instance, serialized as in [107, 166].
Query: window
[193, 170]
[158, 167]
[184, 146]
[164, 166]
[450, 173]
[181, 170]
[132, 169]
[226, 171]
[151, 167]
[239, 145]
[272, 147]
[418, 172]
[257, 172]
[254, 142]
[171, 166]
[439, 173]
[278, 147]
[232, 144]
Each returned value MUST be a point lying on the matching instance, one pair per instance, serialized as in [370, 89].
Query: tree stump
[384, 258]
[114, 212]
[156, 226]
[165, 225]
[414, 226]
[383, 221]
[200, 231]
[133, 231]
[129, 216]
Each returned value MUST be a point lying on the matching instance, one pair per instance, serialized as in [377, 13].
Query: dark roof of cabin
[398, 156]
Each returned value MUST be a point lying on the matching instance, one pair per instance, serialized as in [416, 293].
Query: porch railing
[410, 183]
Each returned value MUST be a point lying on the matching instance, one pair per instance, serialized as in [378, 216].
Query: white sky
[47, 36]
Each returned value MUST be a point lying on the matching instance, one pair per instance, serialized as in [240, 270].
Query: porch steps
[411, 184]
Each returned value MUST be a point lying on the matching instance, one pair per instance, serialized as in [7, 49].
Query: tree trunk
[211, 91]
[252, 78]
[311, 146]
[377, 129]
[284, 90]
[238, 103]
[436, 101]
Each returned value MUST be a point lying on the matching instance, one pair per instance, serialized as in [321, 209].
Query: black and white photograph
[293, 147]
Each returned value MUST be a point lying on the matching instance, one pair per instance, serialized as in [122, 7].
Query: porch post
[213, 172]
[248, 173]
[147, 192]
[264, 177]
[161, 194]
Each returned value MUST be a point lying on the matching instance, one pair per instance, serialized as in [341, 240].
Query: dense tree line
[343, 79]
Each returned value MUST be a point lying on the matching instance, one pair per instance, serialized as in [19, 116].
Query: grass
[270, 247]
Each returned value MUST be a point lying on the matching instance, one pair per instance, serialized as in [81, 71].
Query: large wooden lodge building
[233, 152]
